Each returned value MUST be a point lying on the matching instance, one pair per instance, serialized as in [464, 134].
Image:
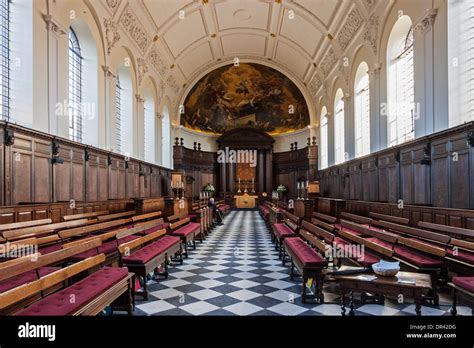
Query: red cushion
[105, 248]
[368, 259]
[340, 242]
[24, 278]
[381, 242]
[308, 256]
[221, 208]
[462, 256]
[164, 225]
[465, 283]
[148, 252]
[50, 248]
[282, 230]
[83, 292]
[186, 230]
[416, 258]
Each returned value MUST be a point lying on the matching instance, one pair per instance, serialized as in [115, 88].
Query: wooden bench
[309, 264]
[326, 218]
[356, 218]
[35, 231]
[24, 224]
[390, 218]
[464, 286]
[187, 231]
[148, 253]
[91, 215]
[288, 228]
[116, 216]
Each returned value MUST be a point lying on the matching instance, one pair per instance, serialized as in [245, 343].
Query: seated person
[217, 212]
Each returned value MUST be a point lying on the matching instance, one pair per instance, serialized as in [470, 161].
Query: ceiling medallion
[242, 15]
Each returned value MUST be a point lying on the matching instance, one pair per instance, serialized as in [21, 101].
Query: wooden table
[245, 201]
[384, 286]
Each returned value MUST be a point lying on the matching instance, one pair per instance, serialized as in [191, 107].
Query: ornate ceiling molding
[371, 35]
[53, 26]
[157, 62]
[134, 28]
[113, 5]
[142, 69]
[112, 35]
[350, 27]
[328, 62]
[426, 22]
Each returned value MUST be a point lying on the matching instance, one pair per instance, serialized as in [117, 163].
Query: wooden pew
[116, 216]
[24, 224]
[113, 283]
[356, 218]
[454, 232]
[187, 231]
[144, 217]
[91, 215]
[148, 253]
[390, 218]
[326, 218]
[34, 231]
[288, 228]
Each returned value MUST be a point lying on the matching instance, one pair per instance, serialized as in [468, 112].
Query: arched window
[118, 115]
[124, 114]
[323, 128]
[149, 131]
[75, 88]
[166, 132]
[461, 58]
[401, 83]
[339, 127]
[362, 111]
[5, 60]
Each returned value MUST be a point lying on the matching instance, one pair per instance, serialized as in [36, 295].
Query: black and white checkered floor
[236, 271]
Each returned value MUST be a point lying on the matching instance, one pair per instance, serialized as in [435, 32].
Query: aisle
[236, 271]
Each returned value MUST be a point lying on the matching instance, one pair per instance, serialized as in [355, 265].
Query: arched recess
[401, 108]
[123, 119]
[166, 135]
[362, 126]
[323, 136]
[150, 121]
[339, 134]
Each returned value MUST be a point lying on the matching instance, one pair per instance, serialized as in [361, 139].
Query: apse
[246, 94]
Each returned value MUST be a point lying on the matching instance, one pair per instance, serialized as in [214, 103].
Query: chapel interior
[236, 157]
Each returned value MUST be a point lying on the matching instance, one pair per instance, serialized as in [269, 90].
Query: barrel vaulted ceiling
[183, 39]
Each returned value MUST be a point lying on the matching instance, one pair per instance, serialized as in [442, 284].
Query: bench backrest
[430, 249]
[322, 224]
[85, 215]
[78, 231]
[367, 243]
[44, 229]
[176, 217]
[179, 223]
[325, 218]
[437, 237]
[295, 219]
[134, 244]
[313, 240]
[386, 236]
[27, 290]
[23, 224]
[390, 218]
[147, 216]
[313, 229]
[115, 216]
[356, 218]
[457, 231]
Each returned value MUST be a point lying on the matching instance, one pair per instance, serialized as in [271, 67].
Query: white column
[108, 132]
[331, 150]
[58, 72]
[159, 138]
[349, 136]
[424, 75]
[139, 125]
[378, 122]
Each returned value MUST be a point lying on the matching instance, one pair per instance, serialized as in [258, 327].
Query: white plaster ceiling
[294, 35]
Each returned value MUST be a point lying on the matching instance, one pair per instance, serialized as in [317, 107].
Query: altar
[245, 201]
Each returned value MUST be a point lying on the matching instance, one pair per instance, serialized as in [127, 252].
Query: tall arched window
[362, 111]
[323, 128]
[401, 83]
[118, 115]
[124, 120]
[166, 132]
[149, 125]
[4, 59]
[339, 127]
[75, 88]
[461, 58]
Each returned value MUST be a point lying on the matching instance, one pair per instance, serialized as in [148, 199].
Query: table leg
[418, 306]
[343, 303]
[351, 303]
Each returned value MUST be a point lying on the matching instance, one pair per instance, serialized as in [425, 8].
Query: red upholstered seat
[148, 252]
[368, 259]
[373, 228]
[282, 230]
[462, 256]
[186, 230]
[164, 225]
[380, 242]
[106, 248]
[308, 256]
[222, 208]
[83, 291]
[416, 258]
[24, 278]
[340, 242]
[50, 248]
[465, 283]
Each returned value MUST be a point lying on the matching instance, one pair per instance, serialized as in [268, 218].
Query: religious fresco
[246, 95]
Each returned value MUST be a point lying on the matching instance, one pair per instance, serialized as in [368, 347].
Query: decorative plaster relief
[133, 27]
[111, 34]
[351, 26]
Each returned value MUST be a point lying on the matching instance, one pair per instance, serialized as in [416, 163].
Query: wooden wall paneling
[42, 171]
[355, 178]
[92, 176]
[145, 180]
[383, 161]
[132, 178]
[155, 181]
[117, 177]
[406, 175]
[421, 174]
[440, 168]
[459, 178]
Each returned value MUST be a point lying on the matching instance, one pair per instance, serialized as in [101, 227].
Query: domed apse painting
[246, 95]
